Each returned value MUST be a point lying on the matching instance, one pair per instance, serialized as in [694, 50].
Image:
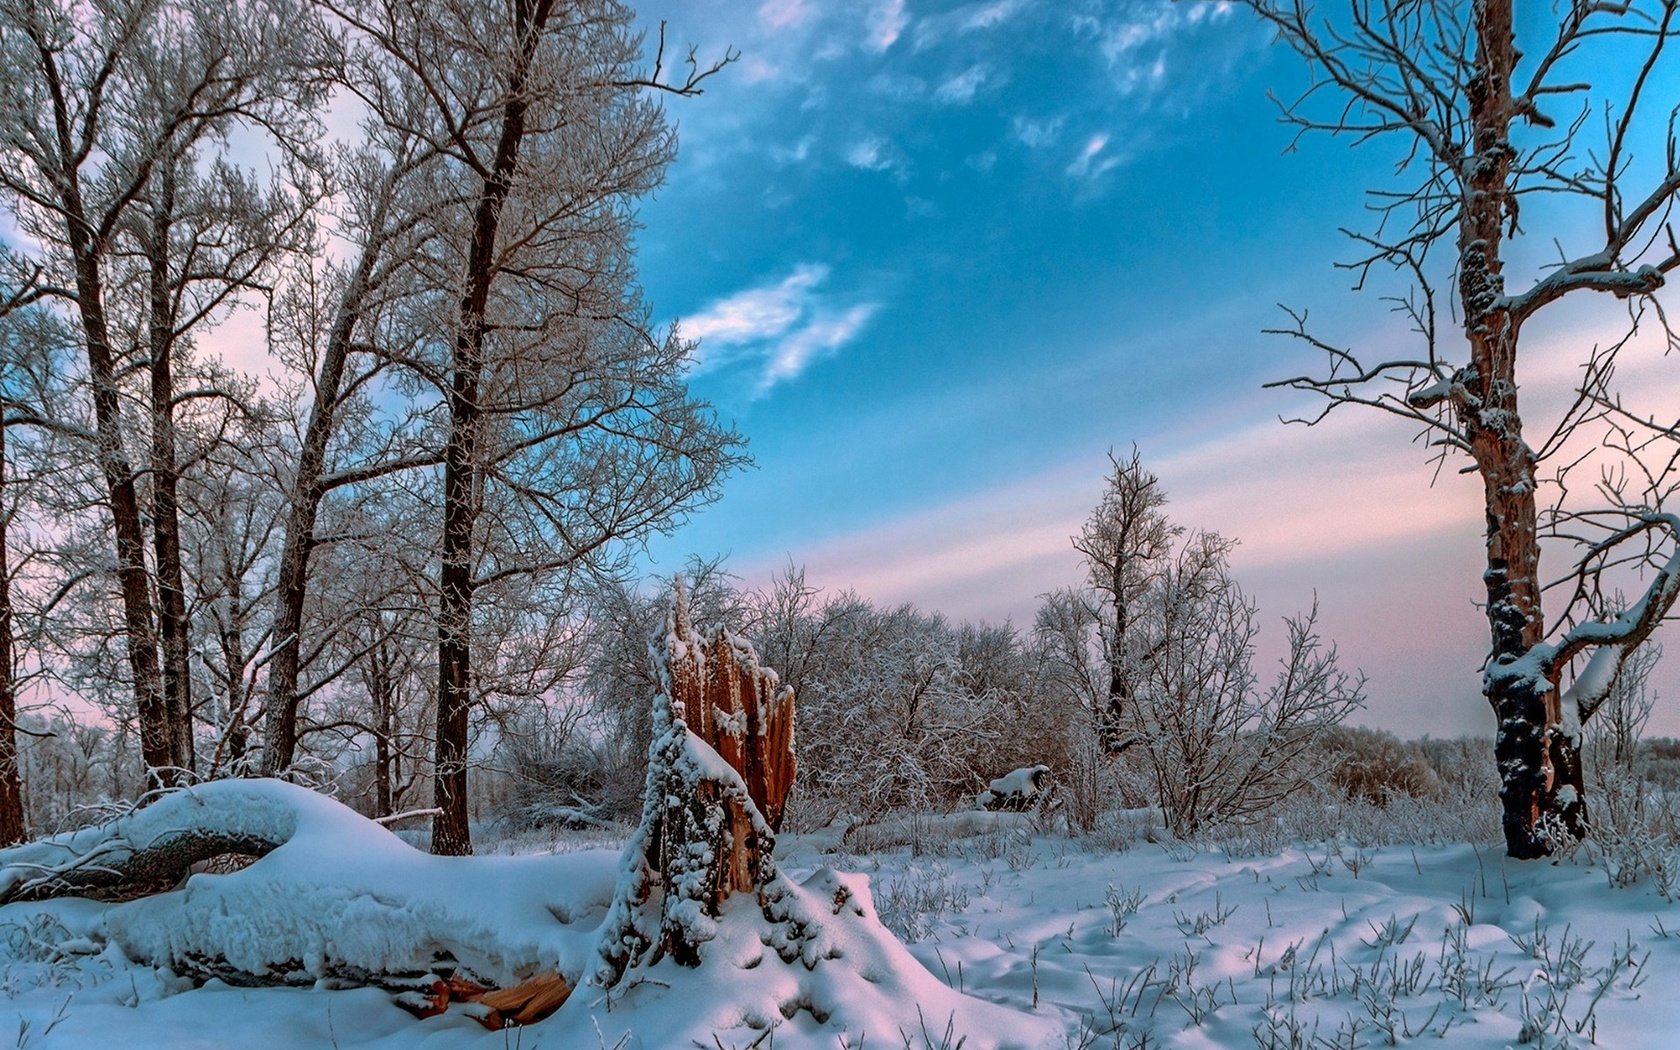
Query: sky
[942, 257]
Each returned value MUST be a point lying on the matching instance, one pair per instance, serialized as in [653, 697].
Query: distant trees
[1158, 647]
[1487, 125]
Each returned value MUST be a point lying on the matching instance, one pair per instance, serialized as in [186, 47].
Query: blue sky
[889, 224]
[942, 256]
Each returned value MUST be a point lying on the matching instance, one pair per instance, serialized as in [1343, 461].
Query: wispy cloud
[1135, 44]
[754, 314]
[900, 87]
[1037, 133]
[1094, 159]
[966, 19]
[780, 328]
[885, 23]
[797, 153]
[994, 13]
[960, 89]
[785, 14]
[822, 336]
[873, 153]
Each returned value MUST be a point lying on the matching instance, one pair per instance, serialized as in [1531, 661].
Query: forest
[341, 703]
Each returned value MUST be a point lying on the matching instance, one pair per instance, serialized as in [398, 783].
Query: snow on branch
[1611, 640]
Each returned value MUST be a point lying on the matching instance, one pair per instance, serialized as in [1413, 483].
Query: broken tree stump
[720, 767]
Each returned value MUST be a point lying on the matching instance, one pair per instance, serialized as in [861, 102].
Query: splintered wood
[737, 707]
[719, 771]
[524, 1003]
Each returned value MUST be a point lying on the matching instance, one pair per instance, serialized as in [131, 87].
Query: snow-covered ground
[1145, 947]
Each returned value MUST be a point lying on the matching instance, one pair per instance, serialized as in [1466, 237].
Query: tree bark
[173, 628]
[11, 780]
[383, 688]
[461, 474]
[132, 580]
[1536, 758]
[719, 772]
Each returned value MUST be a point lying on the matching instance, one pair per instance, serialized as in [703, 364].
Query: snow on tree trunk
[719, 770]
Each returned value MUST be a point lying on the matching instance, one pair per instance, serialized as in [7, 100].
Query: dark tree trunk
[165, 478]
[11, 779]
[304, 505]
[234, 746]
[132, 580]
[1111, 732]
[383, 693]
[1536, 759]
[450, 833]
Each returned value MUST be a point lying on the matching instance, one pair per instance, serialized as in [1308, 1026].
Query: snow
[1017, 783]
[1019, 940]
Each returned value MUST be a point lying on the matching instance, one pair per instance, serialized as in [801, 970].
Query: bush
[1373, 765]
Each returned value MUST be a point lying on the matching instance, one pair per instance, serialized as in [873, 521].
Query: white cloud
[872, 154]
[824, 334]
[756, 313]
[988, 15]
[1093, 160]
[781, 328]
[886, 21]
[798, 153]
[960, 89]
[785, 14]
[966, 19]
[901, 87]
[1035, 133]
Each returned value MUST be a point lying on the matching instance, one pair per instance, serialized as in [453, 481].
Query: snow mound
[337, 897]
[339, 900]
[812, 961]
[1014, 790]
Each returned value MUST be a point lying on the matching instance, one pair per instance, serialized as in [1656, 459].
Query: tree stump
[719, 770]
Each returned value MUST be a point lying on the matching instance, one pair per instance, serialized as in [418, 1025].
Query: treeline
[363, 512]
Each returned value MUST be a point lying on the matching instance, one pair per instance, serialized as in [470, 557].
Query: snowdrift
[338, 901]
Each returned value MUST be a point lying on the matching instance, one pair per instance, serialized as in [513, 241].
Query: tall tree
[103, 107]
[13, 297]
[567, 423]
[1125, 542]
[1478, 124]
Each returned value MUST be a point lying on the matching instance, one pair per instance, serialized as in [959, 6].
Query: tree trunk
[1537, 760]
[233, 747]
[304, 505]
[11, 781]
[165, 477]
[384, 697]
[132, 580]
[461, 475]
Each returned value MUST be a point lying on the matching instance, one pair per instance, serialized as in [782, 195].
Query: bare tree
[1217, 746]
[566, 418]
[1124, 542]
[1483, 129]
[1158, 648]
[1614, 734]
[102, 111]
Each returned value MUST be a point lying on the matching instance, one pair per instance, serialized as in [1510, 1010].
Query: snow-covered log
[1017, 790]
[334, 896]
[151, 848]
